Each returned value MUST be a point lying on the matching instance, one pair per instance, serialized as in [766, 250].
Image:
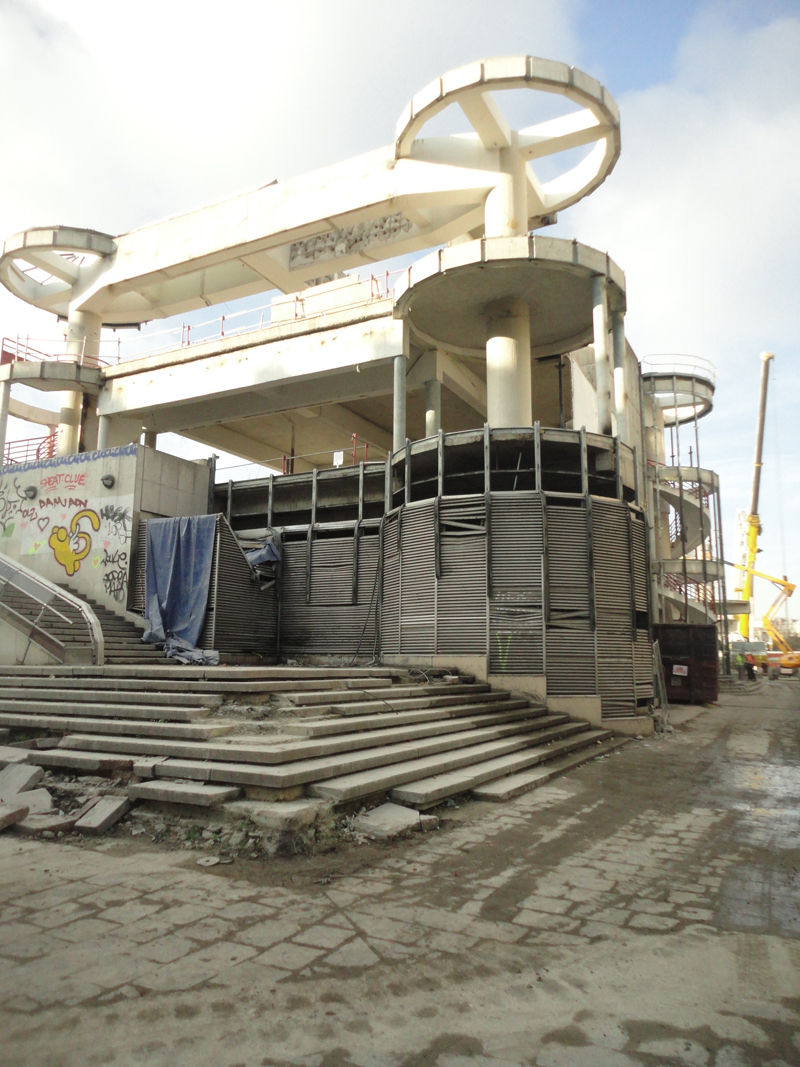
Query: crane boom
[753, 521]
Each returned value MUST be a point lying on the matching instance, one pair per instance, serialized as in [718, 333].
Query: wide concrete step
[426, 792]
[174, 685]
[97, 709]
[376, 707]
[331, 726]
[396, 692]
[381, 779]
[119, 727]
[59, 693]
[223, 673]
[81, 762]
[515, 784]
[303, 772]
[200, 795]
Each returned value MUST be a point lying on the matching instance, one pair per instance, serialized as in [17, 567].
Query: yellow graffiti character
[71, 546]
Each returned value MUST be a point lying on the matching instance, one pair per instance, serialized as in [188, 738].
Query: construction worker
[750, 667]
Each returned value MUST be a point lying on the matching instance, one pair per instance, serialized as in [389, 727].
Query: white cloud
[703, 214]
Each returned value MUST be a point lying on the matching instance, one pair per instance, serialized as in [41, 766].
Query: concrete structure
[493, 384]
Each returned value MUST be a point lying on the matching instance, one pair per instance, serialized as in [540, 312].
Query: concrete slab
[38, 801]
[36, 825]
[281, 816]
[9, 756]
[205, 796]
[11, 814]
[16, 779]
[386, 821]
[103, 815]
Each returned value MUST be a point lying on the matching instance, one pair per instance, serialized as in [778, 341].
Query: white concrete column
[433, 407]
[399, 412]
[508, 364]
[150, 438]
[620, 381]
[601, 361]
[83, 345]
[506, 206]
[102, 432]
[5, 397]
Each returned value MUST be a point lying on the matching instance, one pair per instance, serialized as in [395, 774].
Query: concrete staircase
[343, 735]
[123, 638]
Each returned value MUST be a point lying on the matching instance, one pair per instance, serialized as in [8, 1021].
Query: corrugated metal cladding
[571, 658]
[319, 613]
[390, 596]
[643, 647]
[461, 587]
[241, 617]
[418, 580]
[516, 615]
[614, 606]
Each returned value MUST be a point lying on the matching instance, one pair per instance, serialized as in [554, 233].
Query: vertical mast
[753, 522]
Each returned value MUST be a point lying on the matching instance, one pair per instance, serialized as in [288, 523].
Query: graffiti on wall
[73, 544]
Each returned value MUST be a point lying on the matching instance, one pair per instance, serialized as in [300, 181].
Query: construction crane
[789, 657]
[753, 529]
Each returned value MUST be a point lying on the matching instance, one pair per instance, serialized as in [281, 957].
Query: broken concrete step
[12, 813]
[103, 815]
[387, 821]
[83, 762]
[17, 778]
[429, 791]
[376, 707]
[332, 726]
[53, 706]
[204, 796]
[380, 779]
[303, 772]
[119, 727]
[10, 756]
[97, 695]
[38, 801]
[514, 784]
[396, 692]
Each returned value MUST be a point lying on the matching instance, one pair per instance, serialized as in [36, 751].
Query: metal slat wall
[613, 605]
[328, 622]
[136, 576]
[245, 616]
[390, 597]
[516, 630]
[643, 648]
[461, 586]
[418, 580]
[571, 659]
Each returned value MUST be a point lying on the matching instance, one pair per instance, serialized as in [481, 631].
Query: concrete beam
[29, 413]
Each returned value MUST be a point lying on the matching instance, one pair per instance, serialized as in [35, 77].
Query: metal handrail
[43, 592]
[680, 364]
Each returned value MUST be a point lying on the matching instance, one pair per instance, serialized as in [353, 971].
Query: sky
[113, 115]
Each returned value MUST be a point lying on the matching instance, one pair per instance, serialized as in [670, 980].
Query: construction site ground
[644, 910]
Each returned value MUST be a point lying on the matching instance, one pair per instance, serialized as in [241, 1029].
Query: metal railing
[30, 449]
[26, 597]
[679, 364]
[20, 350]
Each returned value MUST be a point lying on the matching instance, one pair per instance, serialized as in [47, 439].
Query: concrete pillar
[399, 413]
[433, 407]
[102, 432]
[620, 381]
[83, 345]
[508, 364]
[506, 206]
[5, 397]
[602, 364]
[150, 438]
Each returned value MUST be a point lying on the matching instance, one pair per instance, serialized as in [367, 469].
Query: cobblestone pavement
[642, 911]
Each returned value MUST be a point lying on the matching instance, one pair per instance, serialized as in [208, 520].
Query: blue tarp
[268, 553]
[177, 576]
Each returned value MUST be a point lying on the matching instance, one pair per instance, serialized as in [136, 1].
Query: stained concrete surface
[641, 911]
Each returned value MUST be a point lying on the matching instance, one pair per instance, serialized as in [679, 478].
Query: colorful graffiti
[72, 545]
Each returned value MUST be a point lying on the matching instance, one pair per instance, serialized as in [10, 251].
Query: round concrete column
[5, 397]
[83, 345]
[102, 432]
[433, 407]
[508, 364]
[620, 381]
[399, 412]
[602, 364]
[506, 206]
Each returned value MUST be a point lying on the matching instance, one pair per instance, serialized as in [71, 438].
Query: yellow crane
[789, 657]
[745, 589]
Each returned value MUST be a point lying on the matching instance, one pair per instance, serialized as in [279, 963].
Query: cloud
[702, 213]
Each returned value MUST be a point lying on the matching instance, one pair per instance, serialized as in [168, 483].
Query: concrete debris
[38, 801]
[183, 792]
[386, 821]
[17, 778]
[10, 755]
[103, 815]
[208, 861]
[283, 816]
[12, 813]
[47, 825]
[428, 822]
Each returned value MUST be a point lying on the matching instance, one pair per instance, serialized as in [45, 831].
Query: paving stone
[696, 914]
[103, 815]
[17, 778]
[268, 933]
[167, 949]
[323, 936]
[543, 921]
[183, 914]
[129, 912]
[288, 956]
[652, 907]
[585, 1056]
[355, 953]
[12, 813]
[196, 968]
[386, 821]
[245, 909]
[652, 922]
[208, 930]
[549, 904]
